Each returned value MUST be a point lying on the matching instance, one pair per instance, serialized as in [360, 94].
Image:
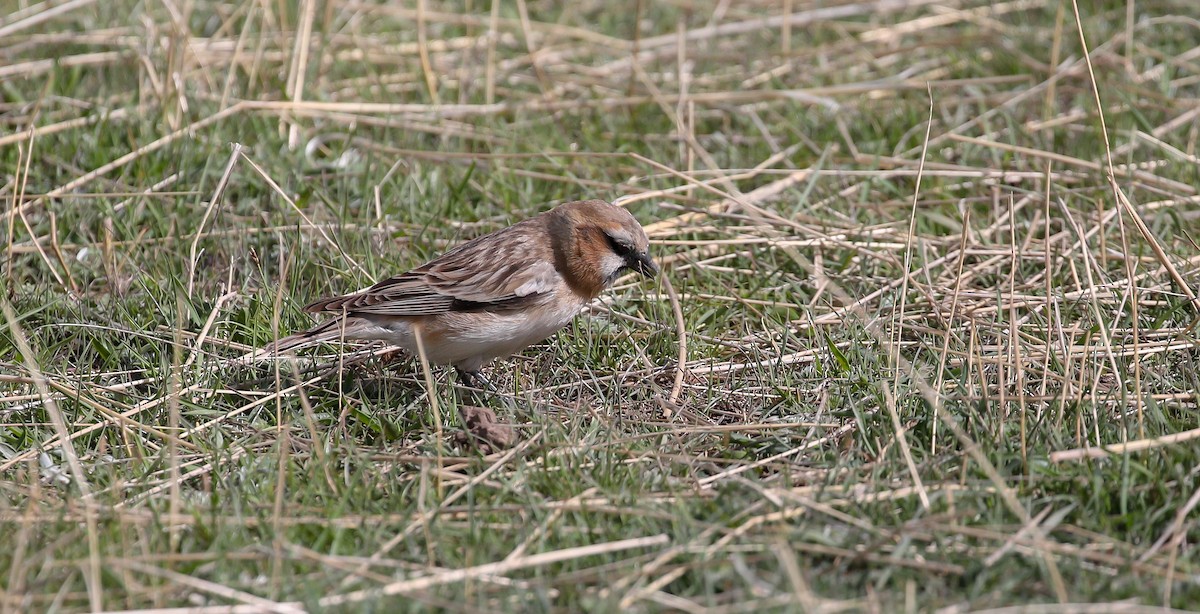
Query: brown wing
[504, 270]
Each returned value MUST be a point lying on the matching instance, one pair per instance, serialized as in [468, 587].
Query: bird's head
[606, 242]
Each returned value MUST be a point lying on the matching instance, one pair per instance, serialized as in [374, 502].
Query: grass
[912, 349]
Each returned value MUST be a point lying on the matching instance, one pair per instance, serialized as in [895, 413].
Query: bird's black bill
[644, 265]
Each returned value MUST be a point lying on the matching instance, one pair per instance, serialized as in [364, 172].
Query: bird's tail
[330, 330]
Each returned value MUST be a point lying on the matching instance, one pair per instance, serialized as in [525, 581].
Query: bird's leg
[476, 379]
[504, 398]
[466, 377]
[487, 383]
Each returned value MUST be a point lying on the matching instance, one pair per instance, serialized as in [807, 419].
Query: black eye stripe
[622, 248]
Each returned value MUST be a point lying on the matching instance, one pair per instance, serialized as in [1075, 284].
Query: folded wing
[503, 271]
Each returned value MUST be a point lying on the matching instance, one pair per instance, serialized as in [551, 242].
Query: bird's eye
[619, 246]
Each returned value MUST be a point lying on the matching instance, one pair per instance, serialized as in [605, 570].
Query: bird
[496, 294]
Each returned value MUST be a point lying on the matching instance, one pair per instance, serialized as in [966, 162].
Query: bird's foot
[476, 379]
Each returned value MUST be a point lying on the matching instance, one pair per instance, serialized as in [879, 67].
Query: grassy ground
[924, 339]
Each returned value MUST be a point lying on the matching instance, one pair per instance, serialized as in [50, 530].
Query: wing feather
[509, 269]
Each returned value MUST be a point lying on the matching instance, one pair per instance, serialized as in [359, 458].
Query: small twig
[422, 520]
[104, 169]
[681, 334]
[889, 401]
[1137, 445]
[95, 589]
[430, 392]
[299, 67]
[41, 16]
[833, 436]
[212, 588]
[501, 567]
[320, 230]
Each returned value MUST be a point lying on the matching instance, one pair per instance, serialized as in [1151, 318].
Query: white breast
[474, 339]
[470, 340]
